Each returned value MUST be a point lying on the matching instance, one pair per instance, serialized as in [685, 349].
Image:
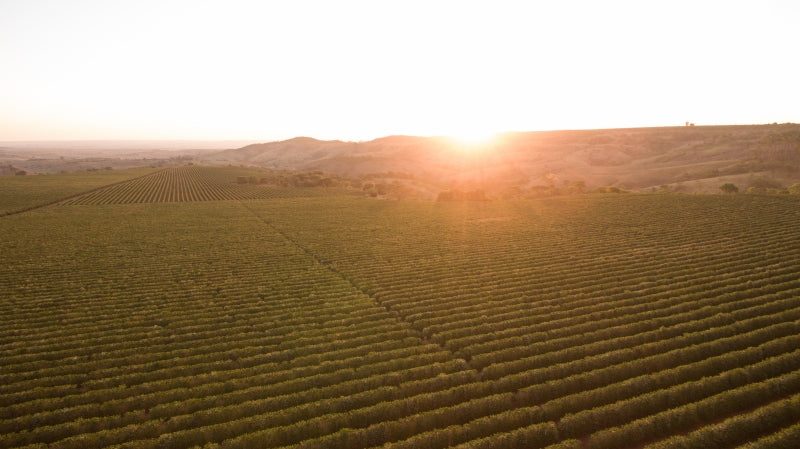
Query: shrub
[610, 189]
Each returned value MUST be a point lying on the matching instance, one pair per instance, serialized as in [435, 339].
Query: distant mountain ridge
[691, 158]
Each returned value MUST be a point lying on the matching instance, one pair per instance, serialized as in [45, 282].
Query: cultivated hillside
[689, 159]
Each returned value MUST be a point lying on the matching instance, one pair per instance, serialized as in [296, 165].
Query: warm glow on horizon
[473, 141]
[473, 137]
[358, 70]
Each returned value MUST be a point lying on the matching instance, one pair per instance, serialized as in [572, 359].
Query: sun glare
[472, 140]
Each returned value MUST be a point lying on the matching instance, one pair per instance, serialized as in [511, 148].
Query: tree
[763, 182]
[578, 186]
[729, 188]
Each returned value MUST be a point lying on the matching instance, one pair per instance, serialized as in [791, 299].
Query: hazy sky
[356, 70]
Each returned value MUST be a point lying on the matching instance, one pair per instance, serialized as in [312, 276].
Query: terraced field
[169, 317]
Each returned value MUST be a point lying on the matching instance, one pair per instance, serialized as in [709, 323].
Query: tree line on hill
[400, 186]
[762, 188]
[373, 185]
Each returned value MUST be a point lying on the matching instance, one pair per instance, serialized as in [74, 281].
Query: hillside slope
[681, 158]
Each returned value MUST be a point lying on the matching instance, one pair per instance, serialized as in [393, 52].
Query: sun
[472, 140]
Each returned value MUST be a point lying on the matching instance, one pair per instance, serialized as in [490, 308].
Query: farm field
[136, 185]
[18, 193]
[181, 309]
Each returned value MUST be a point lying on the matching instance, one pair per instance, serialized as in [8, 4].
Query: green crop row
[21, 193]
[740, 428]
[149, 314]
[704, 411]
[182, 184]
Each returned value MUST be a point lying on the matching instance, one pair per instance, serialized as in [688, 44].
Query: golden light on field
[357, 70]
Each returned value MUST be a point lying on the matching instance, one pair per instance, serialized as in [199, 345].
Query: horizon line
[262, 140]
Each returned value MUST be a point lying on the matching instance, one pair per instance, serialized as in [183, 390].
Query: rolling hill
[688, 159]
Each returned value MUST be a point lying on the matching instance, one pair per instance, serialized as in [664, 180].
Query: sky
[358, 70]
